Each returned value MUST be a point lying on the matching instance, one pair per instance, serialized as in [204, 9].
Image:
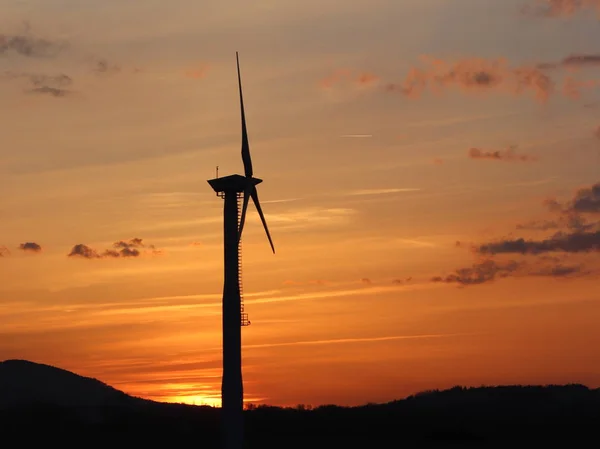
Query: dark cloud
[51, 91]
[539, 225]
[103, 66]
[366, 281]
[577, 234]
[401, 281]
[508, 155]
[121, 248]
[44, 84]
[60, 80]
[573, 61]
[566, 220]
[489, 270]
[29, 46]
[575, 242]
[561, 270]
[573, 215]
[480, 273]
[81, 250]
[587, 200]
[30, 246]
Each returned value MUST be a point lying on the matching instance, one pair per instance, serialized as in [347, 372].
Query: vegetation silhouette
[40, 402]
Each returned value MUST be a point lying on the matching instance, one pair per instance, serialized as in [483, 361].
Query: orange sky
[404, 154]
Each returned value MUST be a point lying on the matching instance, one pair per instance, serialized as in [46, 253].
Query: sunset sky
[431, 182]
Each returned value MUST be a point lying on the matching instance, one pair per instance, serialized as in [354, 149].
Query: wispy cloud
[346, 76]
[480, 75]
[311, 217]
[356, 136]
[197, 72]
[285, 200]
[381, 191]
[561, 8]
[351, 340]
[475, 75]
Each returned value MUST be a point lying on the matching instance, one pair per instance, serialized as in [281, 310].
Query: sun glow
[210, 400]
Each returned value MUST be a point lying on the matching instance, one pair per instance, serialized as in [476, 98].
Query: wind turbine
[234, 188]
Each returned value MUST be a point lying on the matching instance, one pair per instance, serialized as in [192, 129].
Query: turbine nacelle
[233, 183]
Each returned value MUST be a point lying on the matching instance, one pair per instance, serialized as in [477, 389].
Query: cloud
[479, 75]
[30, 246]
[198, 72]
[44, 84]
[4, 251]
[320, 282]
[587, 200]
[402, 281]
[575, 242]
[103, 66]
[508, 155]
[350, 340]
[480, 273]
[561, 8]
[573, 88]
[382, 191]
[346, 76]
[597, 132]
[489, 270]
[574, 61]
[366, 281]
[122, 249]
[29, 46]
[475, 75]
[580, 234]
[539, 225]
[51, 91]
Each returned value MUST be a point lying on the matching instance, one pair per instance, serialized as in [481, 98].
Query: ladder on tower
[244, 316]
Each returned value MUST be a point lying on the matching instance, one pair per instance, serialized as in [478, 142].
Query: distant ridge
[55, 405]
[24, 383]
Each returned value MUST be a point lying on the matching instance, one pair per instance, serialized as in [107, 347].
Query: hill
[62, 406]
[24, 383]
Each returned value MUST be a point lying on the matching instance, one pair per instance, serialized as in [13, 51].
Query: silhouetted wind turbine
[233, 188]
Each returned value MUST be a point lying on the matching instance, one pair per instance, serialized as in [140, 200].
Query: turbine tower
[234, 188]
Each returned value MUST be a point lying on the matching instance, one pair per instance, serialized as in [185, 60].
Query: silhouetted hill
[24, 383]
[62, 406]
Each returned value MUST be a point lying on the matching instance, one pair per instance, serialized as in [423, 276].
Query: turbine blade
[244, 209]
[254, 195]
[245, 145]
